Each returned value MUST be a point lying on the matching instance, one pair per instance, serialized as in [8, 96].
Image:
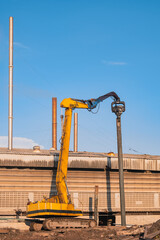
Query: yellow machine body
[47, 209]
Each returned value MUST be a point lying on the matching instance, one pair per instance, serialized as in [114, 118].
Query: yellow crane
[58, 211]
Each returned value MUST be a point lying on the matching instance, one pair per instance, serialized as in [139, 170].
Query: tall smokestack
[54, 123]
[10, 110]
[75, 132]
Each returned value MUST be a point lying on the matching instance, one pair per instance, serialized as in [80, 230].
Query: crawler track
[61, 222]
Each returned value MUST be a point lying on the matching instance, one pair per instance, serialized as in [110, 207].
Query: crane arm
[69, 104]
[92, 103]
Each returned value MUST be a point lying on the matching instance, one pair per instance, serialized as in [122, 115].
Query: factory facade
[29, 175]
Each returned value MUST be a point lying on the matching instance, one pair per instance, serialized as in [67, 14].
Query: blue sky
[83, 49]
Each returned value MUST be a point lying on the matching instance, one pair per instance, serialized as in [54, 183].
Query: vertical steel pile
[118, 108]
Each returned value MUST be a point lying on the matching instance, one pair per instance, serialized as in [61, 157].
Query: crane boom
[69, 104]
[92, 103]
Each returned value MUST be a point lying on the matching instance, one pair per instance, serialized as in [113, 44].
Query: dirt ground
[69, 234]
[111, 232]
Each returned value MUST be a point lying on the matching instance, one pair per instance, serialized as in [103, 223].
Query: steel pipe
[118, 108]
[75, 132]
[10, 107]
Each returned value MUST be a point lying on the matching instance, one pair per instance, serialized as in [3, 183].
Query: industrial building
[30, 175]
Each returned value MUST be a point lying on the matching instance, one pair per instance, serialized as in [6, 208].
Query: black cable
[98, 106]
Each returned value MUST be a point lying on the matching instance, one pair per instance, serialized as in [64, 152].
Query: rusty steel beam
[54, 123]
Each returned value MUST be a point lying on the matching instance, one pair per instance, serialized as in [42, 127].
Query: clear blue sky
[83, 49]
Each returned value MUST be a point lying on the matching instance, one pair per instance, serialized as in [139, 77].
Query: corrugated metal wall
[142, 190]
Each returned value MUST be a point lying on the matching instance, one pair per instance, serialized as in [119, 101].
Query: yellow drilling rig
[59, 211]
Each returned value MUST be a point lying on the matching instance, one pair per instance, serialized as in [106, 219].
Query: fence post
[96, 215]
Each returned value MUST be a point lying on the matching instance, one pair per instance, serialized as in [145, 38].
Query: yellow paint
[70, 103]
